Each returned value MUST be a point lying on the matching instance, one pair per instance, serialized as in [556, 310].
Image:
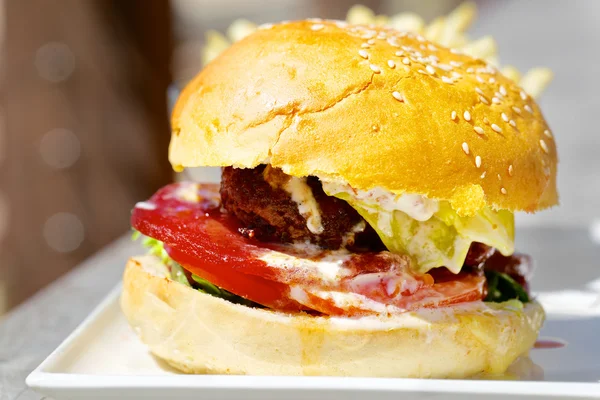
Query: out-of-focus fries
[484, 48]
[240, 29]
[449, 31]
[215, 44]
[536, 80]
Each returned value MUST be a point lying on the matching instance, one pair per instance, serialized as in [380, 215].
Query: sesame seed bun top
[370, 107]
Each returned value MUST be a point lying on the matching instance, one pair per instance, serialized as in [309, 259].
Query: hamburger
[364, 222]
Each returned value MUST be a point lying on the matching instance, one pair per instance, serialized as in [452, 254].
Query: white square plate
[103, 358]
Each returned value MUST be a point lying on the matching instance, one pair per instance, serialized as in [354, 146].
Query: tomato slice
[203, 238]
[262, 291]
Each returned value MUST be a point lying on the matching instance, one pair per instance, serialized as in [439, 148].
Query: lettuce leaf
[501, 288]
[441, 241]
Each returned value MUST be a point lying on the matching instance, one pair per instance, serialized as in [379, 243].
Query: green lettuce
[442, 240]
[501, 288]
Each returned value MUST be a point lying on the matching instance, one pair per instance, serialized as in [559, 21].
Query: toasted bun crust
[317, 98]
[199, 333]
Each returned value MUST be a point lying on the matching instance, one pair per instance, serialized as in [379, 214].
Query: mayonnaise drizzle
[414, 205]
[308, 207]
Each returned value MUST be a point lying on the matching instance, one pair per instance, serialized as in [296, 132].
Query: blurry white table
[566, 259]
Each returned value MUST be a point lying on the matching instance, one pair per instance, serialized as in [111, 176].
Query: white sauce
[414, 205]
[188, 192]
[307, 205]
[145, 205]
[328, 268]
[344, 300]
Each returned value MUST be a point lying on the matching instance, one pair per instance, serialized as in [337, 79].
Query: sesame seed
[495, 100]
[391, 64]
[484, 100]
[486, 121]
[510, 170]
[470, 70]
[496, 128]
[453, 115]
[445, 79]
[544, 146]
[467, 116]
[503, 90]
[492, 80]
[512, 123]
[498, 95]
[317, 27]
[517, 110]
[503, 191]
[371, 41]
[483, 175]
[375, 68]
[479, 91]
[479, 130]
[479, 79]
[528, 109]
[265, 26]
[478, 162]
[399, 53]
[499, 177]
[504, 117]
[393, 42]
[455, 74]
[405, 61]
[465, 148]
[422, 72]
[455, 63]
[431, 47]
[397, 96]
[365, 46]
[547, 133]
[363, 54]
[430, 69]
[523, 95]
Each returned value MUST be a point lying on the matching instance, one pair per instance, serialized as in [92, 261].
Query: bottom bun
[198, 333]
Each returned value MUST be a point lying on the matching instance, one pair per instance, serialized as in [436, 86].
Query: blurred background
[84, 113]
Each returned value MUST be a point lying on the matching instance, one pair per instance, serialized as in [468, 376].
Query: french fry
[484, 48]
[407, 22]
[216, 43]
[435, 29]
[240, 29]
[511, 73]
[360, 15]
[536, 80]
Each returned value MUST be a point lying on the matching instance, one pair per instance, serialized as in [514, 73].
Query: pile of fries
[449, 31]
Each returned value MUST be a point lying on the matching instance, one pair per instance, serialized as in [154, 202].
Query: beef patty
[262, 201]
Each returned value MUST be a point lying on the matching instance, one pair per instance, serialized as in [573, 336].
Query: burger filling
[266, 239]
